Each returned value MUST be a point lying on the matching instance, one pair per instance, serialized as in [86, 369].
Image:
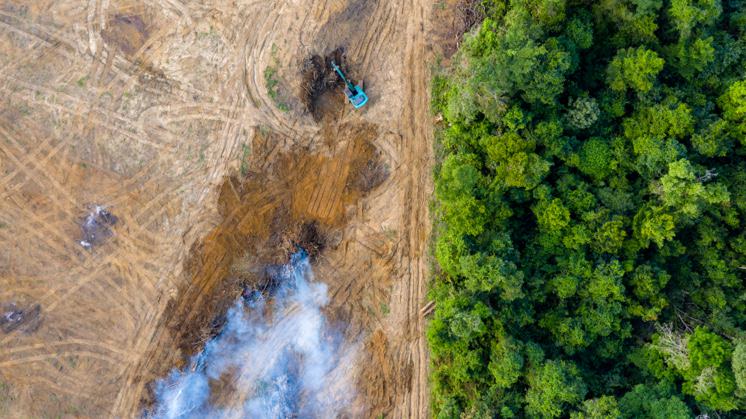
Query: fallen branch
[427, 309]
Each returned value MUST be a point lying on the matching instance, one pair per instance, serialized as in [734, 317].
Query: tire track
[417, 140]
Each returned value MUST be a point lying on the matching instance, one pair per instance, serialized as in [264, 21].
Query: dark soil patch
[126, 32]
[371, 175]
[319, 78]
[14, 317]
[96, 226]
[311, 239]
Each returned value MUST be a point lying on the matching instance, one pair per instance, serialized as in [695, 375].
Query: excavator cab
[355, 94]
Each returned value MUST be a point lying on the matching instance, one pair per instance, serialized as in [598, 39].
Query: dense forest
[590, 212]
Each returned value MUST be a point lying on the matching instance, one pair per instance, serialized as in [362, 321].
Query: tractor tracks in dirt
[418, 130]
[146, 109]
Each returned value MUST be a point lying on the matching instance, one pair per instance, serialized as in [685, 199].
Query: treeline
[591, 212]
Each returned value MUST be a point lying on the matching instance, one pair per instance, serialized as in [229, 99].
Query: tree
[582, 112]
[487, 273]
[634, 21]
[714, 140]
[691, 58]
[450, 247]
[523, 170]
[605, 407]
[548, 78]
[733, 103]
[688, 14]
[596, 159]
[647, 284]
[459, 176]
[468, 325]
[552, 216]
[512, 160]
[548, 13]
[634, 68]
[739, 365]
[609, 238]
[654, 402]
[653, 224]
[466, 215]
[673, 345]
[670, 119]
[591, 307]
[654, 132]
[709, 379]
[580, 32]
[506, 362]
[458, 182]
[504, 60]
[683, 191]
[552, 386]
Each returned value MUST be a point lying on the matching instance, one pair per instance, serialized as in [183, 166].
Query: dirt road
[147, 110]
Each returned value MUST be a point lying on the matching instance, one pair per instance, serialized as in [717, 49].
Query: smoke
[279, 357]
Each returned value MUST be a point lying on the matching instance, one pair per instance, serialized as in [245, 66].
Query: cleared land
[185, 119]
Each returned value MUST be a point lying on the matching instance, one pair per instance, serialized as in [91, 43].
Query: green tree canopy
[589, 211]
[634, 68]
[551, 386]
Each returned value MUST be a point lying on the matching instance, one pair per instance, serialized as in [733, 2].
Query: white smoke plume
[280, 357]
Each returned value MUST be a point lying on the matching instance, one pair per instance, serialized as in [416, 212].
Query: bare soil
[161, 114]
[452, 19]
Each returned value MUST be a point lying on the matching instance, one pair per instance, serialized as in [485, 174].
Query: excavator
[355, 94]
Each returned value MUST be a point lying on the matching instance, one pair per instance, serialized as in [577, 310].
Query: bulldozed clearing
[188, 124]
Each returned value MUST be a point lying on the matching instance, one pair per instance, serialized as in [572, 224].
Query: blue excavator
[355, 94]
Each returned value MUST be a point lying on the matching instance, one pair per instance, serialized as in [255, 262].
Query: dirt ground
[187, 122]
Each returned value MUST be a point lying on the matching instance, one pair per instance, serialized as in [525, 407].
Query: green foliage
[273, 85]
[589, 215]
[548, 13]
[580, 32]
[653, 224]
[684, 193]
[551, 386]
[654, 402]
[710, 379]
[713, 140]
[688, 14]
[596, 158]
[647, 284]
[605, 407]
[691, 58]
[5, 397]
[583, 112]
[245, 153]
[634, 68]
[654, 132]
[506, 362]
[506, 62]
[733, 103]
[739, 365]
[490, 274]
